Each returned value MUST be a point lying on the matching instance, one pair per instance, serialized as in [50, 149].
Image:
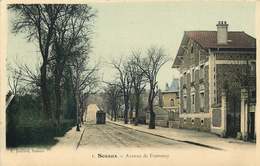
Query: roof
[237, 40]
[174, 87]
[208, 39]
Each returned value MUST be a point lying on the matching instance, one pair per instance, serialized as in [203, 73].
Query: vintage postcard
[129, 83]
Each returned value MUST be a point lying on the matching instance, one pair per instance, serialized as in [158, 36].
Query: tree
[125, 84]
[59, 30]
[151, 66]
[38, 22]
[88, 86]
[22, 78]
[113, 98]
[83, 78]
[72, 29]
[138, 80]
[14, 80]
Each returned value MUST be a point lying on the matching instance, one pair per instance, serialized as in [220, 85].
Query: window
[253, 94]
[192, 75]
[185, 78]
[172, 102]
[202, 101]
[201, 74]
[191, 50]
[193, 102]
[184, 103]
[253, 68]
[193, 99]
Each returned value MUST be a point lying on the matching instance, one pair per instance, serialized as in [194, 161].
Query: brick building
[215, 69]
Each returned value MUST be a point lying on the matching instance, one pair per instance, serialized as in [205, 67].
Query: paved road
[111, 135]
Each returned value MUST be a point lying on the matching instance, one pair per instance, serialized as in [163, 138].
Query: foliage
[63, 34]
[133, 75]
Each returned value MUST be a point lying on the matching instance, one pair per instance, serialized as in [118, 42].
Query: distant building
[171, 102]
[217, 72]
[170, 96]
[91, 113]
[166, 104]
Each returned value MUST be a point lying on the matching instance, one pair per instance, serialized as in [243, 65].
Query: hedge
[32, 133]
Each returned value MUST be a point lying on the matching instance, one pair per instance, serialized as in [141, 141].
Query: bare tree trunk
[152, 114]
[58, 104]
[126, 111]
[44, 92]
[77, 98]
[58, 111]
[137, 98]
[115, 116]
[77, 112]
[152, 118]
[112, 114]
[131, 111]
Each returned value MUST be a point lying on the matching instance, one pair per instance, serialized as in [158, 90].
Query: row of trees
[133, 75]
[63, 35]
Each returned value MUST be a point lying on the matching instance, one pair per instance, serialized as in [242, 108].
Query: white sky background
[121, 27]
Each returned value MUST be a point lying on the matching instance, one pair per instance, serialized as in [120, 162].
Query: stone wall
[161, 123]
[174, 123]
[200, 124]
[216, 117]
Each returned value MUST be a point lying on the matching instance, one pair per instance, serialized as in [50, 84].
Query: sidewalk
[71, 139]
[205, 139]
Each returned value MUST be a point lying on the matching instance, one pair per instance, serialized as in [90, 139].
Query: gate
[233, 116]
[251, 131]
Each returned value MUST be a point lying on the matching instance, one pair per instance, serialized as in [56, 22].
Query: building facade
[171, 102]
[215, 67]
[170, 96]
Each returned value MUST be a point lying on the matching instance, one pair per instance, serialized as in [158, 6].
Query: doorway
[233, 116]
[251, 127]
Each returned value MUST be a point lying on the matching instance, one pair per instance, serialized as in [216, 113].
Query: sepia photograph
[128, 82]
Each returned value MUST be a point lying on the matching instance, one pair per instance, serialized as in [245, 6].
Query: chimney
[222, 32]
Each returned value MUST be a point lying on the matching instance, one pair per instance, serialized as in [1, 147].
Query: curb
[81, 135]
[158, 135]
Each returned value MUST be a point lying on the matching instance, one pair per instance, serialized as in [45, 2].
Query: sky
[122, 27]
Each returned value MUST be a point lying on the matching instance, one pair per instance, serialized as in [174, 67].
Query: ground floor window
[193, 102]
[184, 103]
[172, 102]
